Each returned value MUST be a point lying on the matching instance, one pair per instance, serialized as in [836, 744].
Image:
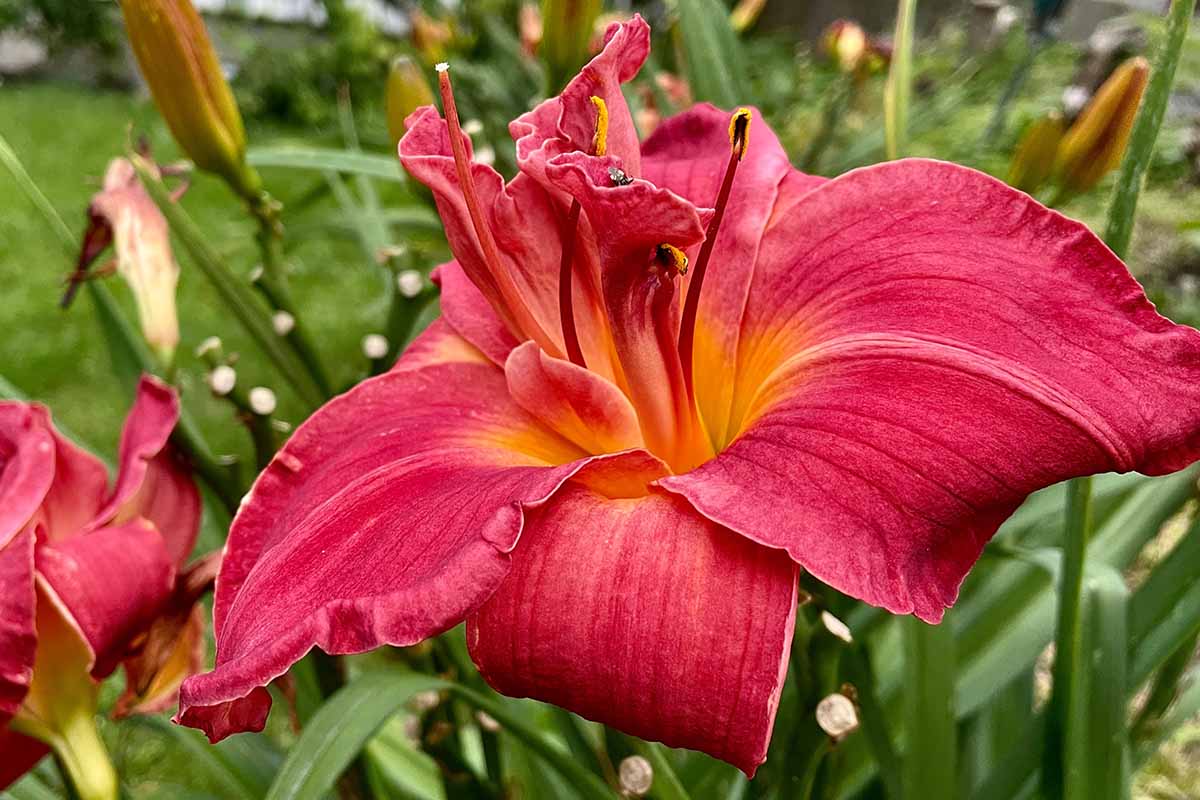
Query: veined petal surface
[933, 346]
[641, 614]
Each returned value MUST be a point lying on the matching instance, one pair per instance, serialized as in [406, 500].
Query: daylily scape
[669, 375]
[91, 579]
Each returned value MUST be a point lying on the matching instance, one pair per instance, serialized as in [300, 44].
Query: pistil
[520, 318]
[566, 268]
[739, 141]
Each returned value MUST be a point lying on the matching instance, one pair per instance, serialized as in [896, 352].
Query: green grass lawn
[65, 136]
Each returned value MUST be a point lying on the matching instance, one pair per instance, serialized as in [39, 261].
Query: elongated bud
[745, 14]
[1094, 145]
[567, 29]
[845, 44]
[429, 36]
[407, 90]
[529, 26]
[184, 75]
[1034, 159]
[124, 214]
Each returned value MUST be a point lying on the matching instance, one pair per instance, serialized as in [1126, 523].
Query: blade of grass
[321, 159]
[929, 766]
[1068, 640]
[874, 724]
[898, 93]
[711, 53]
[1098, 755]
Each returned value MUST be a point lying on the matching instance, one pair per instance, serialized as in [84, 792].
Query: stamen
[566, 300]
[600, 140]
[521, 320]
[671, 257]
[739, 142]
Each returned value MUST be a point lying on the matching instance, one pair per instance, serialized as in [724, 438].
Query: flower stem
[81, 755]
[273, 284]
[231, 290]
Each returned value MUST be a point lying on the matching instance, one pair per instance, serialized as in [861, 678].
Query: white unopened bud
[836, 627]
[410, 283]
[222, 380]
[487, 721]
[485, 155]
[210, 345]
[837, 716]
[262, 401]
[635, 776]
[374, 346]
[472, 127]
[283, 323]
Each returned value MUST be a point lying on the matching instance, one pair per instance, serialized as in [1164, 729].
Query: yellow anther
[600, 140]
[672, 257]
[739, 132]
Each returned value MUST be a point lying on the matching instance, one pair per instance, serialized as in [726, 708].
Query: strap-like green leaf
[326, 159]
[342, 727]
[712, 57]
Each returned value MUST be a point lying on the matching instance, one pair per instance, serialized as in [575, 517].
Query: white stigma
[442, 66]
[283, 323]
[262, 401]
[222, 380]
[837, 715]
[410, 283]
[374, 346]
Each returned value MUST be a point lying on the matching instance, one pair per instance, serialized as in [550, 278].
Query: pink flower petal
[149, 482]
[79, 488]
[567, 123]
[18, 627]
[641, 614]
[931, 346]
[21, 754]
[575, 403]
[523, 218]
[385, 519]
[688, 154]
[26, 465]
[112, 581]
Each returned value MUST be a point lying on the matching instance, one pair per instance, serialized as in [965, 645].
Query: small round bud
[487, 721]
[410, 283]
[635, 776]
[222, 380]
[210, 345]
[485, 155]
[283, 323]
[472, 127]
[374, 346]
[262, 401]
[837, 716]
[836, 627]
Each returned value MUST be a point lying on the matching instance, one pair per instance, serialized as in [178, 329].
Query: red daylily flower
[614, 477]
[86, 572]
